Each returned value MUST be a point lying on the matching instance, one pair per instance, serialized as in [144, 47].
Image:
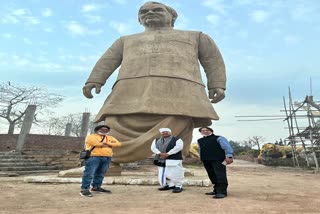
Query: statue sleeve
[107, 64]
[212, 62]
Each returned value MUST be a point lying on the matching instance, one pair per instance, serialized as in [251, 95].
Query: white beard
[101, 133]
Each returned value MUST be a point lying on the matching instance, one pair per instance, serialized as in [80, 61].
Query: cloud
[79, 68]
[217, 5]
[90, 7]
[81, 58]
[8, 36]
[120, 27]
[243, 34]
[20, 12]
[76, 28]
[47, 12]
[213, 19]
[182, 22]
[20, 61]
[20, 15]
[302, 12]
[36, 64]
[91, 19]
[10, 19]
[291, 40]
[258, 16]
[27, 41]
[120, 1]
[48, 29]
[32, 20]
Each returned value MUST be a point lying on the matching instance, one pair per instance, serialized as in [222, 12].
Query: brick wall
[42, 142]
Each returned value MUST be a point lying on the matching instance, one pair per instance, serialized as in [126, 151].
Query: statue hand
[88, 87]
[216, 94]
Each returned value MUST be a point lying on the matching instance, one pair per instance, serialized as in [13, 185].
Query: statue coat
[160, 74]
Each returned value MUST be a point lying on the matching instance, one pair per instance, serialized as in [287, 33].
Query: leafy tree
[238, 148]
[14, 100]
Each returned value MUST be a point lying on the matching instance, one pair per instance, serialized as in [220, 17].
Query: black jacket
[210, 148]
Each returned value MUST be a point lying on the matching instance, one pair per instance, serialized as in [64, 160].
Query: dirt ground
[252, 189]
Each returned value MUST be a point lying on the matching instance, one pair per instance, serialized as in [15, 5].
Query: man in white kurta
[169, 149]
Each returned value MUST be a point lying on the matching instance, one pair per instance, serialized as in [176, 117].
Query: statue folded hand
[88, 87]
[216, 94]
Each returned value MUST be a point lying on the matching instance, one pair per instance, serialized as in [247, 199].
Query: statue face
[155, 15]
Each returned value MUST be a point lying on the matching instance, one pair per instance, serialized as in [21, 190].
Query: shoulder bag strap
[100, 141]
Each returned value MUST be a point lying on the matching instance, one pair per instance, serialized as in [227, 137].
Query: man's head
[102, 129]
[165, 132]
[206, 131]
[155, 14]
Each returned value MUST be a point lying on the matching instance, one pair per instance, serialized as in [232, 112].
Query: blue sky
[267, 47]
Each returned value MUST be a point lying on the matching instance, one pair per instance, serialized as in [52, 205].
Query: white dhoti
[172, 174]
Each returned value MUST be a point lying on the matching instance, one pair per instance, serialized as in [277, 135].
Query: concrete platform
[146, 175]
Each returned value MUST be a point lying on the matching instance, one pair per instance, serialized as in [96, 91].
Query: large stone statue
[159, 83]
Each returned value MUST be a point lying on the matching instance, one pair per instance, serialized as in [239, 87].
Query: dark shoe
[177, 189]
[85, 192]
[210, 193]
[166, 187]
[219, 195]
[99, 189]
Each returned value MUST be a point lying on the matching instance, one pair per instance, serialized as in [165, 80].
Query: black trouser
[217, 174]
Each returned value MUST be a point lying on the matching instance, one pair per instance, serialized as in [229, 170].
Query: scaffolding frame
[307, 111]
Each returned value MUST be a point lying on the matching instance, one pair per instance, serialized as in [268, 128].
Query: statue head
[156, 14]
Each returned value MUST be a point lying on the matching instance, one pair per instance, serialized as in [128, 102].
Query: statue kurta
[159, 83]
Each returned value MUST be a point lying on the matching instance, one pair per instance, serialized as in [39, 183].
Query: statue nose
[150, 11]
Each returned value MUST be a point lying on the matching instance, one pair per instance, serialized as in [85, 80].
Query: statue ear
[174, 18]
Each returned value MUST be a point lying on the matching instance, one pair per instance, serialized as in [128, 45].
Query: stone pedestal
[114, 170]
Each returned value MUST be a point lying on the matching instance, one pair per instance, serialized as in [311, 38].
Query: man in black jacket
[215, 153]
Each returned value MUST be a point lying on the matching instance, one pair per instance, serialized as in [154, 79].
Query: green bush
[254, 152]
[251, 152]
[237, 148]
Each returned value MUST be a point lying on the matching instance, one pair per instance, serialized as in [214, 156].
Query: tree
[52, 126]
[56, 125]
[237, 148]
[254, 141]
[14, 100]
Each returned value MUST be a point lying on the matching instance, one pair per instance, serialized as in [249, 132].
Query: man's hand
[163, 155]
[216, 94]
[104, 145]
[88, 87]
[229, 160]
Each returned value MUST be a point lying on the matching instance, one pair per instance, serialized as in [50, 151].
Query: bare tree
[56, 125]
[254, 141]
[75, 120]
[52, 126]
[14, 100]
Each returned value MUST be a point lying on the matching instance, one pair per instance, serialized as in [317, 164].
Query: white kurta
[173, 173]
